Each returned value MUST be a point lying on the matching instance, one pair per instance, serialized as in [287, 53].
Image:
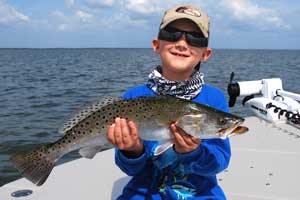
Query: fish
[86, 131]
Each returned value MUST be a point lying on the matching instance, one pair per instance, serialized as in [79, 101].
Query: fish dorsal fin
[86, 111]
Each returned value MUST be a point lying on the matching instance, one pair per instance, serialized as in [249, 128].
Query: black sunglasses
[172, 34]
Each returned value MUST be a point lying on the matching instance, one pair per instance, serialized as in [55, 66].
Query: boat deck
[265, 165]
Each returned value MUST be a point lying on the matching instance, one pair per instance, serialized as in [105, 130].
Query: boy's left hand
[183, 142]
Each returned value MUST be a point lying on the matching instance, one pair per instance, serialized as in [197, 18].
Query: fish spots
[92, 111]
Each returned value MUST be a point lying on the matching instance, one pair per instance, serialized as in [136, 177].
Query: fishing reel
[266, 99]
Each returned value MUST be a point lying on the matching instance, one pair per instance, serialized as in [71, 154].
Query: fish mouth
[233, 130]
[239, 130]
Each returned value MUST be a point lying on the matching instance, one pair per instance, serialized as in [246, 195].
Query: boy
[188, 170]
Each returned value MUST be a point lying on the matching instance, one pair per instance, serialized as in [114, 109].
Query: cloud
[143, 6]
[239, 14]
[249, 13]
[83, 16]
[113, 15]
[62, 27]
[147, 7]
[123, 21]
[89, 4]
[8, 14]
[70, 3]
[58, 14]
[60, 17]
[242, 9]
[60, 20]
[72, 21]
[99, 3]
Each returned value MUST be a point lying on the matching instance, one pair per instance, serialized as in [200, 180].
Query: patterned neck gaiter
[187, 89]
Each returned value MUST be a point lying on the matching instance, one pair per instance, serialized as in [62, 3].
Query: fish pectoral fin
[162, 147]
[90, 152]
[191, 124]
[190, 130]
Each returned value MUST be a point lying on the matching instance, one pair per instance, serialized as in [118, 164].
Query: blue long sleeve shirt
[172, 175]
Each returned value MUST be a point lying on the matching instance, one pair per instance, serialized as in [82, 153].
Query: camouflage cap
[200, 18]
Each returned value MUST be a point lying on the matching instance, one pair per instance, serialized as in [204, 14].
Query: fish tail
[35, 165]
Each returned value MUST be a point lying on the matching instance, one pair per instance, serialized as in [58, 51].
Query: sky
[235, 24]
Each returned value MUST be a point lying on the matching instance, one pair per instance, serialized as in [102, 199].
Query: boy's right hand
[124, 135]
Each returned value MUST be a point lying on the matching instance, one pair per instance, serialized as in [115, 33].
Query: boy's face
[179, 58]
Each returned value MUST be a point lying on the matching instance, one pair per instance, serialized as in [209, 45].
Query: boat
[264, 165]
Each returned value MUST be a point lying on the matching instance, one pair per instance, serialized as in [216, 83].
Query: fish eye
[222, 121]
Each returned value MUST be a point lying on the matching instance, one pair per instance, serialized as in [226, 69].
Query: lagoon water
[40, 88]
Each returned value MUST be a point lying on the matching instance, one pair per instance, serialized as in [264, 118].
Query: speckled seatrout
[86, 131]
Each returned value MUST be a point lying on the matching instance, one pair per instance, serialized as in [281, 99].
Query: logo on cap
[189, 11]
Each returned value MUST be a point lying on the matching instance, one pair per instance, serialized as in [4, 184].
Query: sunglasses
[172, 34]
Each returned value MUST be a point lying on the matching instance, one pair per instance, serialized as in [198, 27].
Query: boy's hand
[124, 135]
[184, 142]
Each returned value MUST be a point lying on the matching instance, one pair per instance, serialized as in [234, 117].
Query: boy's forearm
[210, 158]
[133, 154]
[130, 164]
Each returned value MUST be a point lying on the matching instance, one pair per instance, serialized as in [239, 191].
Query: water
[40, 88]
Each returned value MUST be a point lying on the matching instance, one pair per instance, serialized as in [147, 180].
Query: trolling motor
[266, 99]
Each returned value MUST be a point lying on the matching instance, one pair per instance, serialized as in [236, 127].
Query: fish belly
[155, 134]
